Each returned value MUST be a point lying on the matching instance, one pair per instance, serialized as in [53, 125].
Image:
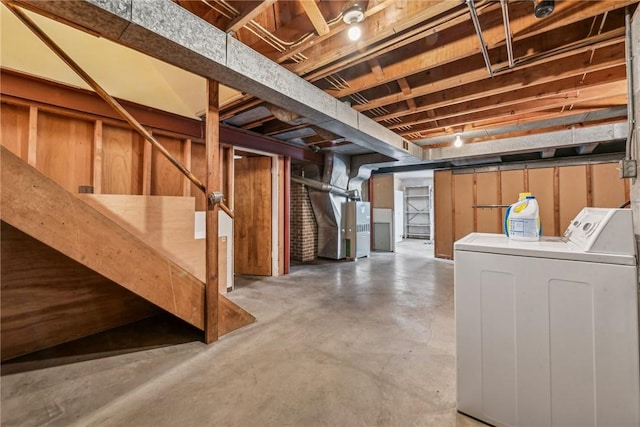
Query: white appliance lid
[546, 247]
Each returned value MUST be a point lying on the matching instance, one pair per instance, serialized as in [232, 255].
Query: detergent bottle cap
[522, 196]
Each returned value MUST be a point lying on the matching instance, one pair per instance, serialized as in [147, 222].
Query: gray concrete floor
[335, 344]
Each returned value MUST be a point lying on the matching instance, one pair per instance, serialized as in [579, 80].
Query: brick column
[304, 229]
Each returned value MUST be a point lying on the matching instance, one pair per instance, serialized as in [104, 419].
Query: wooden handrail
[103, 94]
[226, 210]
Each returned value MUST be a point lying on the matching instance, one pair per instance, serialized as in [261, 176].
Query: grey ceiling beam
[166, 31]
[573, 137]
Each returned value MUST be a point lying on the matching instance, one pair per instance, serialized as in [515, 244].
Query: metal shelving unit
[417, 212]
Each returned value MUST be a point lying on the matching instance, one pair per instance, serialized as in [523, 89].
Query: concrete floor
[335, 344]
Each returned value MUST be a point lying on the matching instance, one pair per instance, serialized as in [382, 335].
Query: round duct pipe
[321, 186]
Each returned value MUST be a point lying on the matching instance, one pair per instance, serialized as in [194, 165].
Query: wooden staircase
[43, 210]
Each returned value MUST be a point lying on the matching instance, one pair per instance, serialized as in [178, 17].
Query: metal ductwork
[327, 205]
[320, 186]
[327, 192]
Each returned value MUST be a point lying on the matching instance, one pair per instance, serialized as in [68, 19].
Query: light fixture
[353, 16]
[354, 32]
[458, 141]
[543, 8]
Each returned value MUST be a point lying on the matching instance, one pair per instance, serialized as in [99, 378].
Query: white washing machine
[547, 331]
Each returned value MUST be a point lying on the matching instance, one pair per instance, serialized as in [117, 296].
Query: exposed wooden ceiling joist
[248, 13]
[315, 16]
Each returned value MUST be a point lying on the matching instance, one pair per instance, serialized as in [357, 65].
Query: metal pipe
[317, 185]
[630, 88]
[483, 46]
[103, 94]
[507, 31]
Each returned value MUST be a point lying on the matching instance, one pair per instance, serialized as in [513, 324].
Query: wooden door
[443, 206]
[252, 220]
[463, 217]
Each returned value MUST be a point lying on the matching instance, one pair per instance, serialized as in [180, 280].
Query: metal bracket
[215, 198]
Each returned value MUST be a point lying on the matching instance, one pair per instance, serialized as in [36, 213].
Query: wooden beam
[333, 31]
[97, 157]
[402, 19]
[376, 69]
[524, 25]
[452, 48]
[247, 15]
[32, 140]
[213, 184]
[287, 215]
[315, 16]
[565, 87]
[583, 101]
[230, 178]
[146, 167]
[475, 85]
[186, 159]
[404, 86]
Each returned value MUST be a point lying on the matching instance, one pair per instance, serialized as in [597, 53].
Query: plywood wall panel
[199, 169]
[443, 219]
[252, 241]
[488, 193]
[14, 122]
[163, 222]
[512, 183]
[463, 205]
[383, 192]
[64, 151]
[572, 193]
[607, 189]
[122, 151]
[541, 186]
[49, 299]
[166, 179]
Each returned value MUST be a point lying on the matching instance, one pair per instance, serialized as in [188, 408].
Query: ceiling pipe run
[483, 46]
[320, 186]
[507, 31]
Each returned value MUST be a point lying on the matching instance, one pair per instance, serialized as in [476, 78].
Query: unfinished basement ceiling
[420, 71]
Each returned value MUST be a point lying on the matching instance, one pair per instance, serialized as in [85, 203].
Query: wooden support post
[212, 150]
[97, 157]
[589, 185]
[556, 200]
[33, 136]
[230, 178]
[287, 213]
[186, 161]
[146, 168]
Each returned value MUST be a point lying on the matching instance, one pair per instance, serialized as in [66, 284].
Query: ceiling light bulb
[354, 32]
[458, 141]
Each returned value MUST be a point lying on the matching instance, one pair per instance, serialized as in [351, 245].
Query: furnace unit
[356, 225]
